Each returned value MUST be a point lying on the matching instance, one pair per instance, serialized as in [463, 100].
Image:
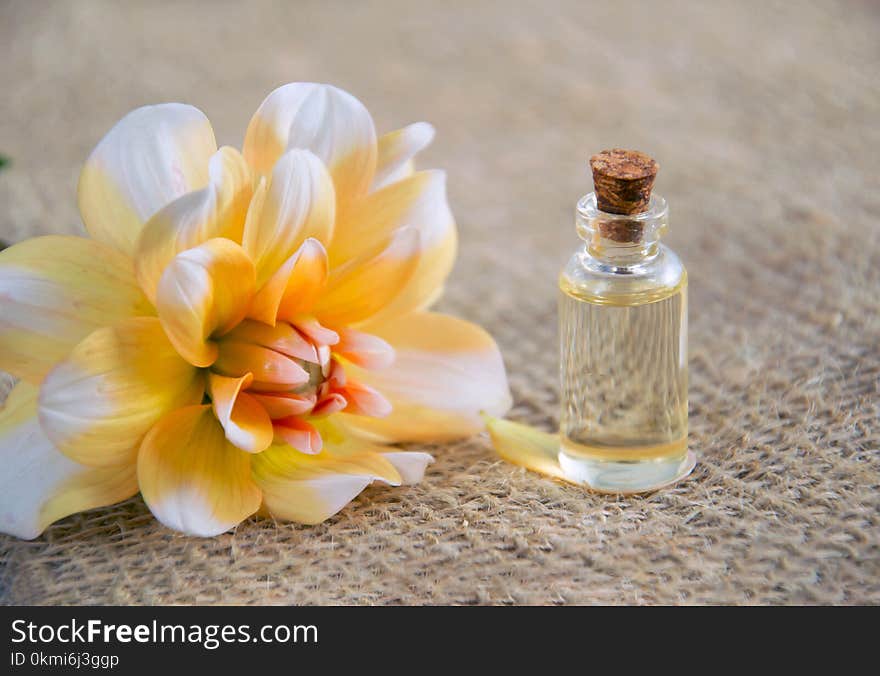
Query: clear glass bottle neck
[621, 239]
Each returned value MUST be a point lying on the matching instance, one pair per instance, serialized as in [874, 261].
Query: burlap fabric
[764, 119]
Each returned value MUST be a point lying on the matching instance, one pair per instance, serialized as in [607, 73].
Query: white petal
[152, 156]
[217, 210]
[39, 485]
[397, 150]
[296, 204]
[410, 465]
[324, 119]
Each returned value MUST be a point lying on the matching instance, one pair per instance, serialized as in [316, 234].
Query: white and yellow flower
[242, 331]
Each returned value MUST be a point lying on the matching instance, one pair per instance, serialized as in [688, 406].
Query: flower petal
[525, 446]
[298, 202]
[359, 289]
[419, 202]
[204, 292]
[328, 121]
[365, 400]
[320, 335]
[285, 405]
[38, 484]
[192, 478]
[446, 372]
[217, 210]
[329, 404]
[294, 287]
[151, 157]
[299, 435]
[410, 465]
[271, 370]
[364, 350]
[311, 488]
[53, 294]
[97, 405]
[397, 150]
[281, 337]
[309, 501]
[245, 421]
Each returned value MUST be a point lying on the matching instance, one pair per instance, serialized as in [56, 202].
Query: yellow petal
[295, 287]
[525, 446]
[539, 451]
[312, 488]
[446, 371]
[151, 157]
[217, 210]
[54, 291]
[98, 404]
[419, 202]
[298, 202]
[328, 121]
[39, 485]
[192, 478]
[410, 465]
[397, 150]
[360, 288]
[245, 421]
[204, 292]
[305, 282]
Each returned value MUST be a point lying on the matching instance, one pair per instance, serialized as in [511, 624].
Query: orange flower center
[285, 375]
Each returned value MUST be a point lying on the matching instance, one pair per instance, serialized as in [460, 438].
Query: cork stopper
[623, 180]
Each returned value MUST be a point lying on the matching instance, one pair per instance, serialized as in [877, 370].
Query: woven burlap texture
[763, 117]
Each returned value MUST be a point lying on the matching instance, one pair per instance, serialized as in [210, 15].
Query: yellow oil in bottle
[623, 336]
[624, 375]
[623, 361]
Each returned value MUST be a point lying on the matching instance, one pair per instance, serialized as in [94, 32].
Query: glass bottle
[623, 340]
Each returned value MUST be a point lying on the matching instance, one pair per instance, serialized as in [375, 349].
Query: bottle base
[625, 477]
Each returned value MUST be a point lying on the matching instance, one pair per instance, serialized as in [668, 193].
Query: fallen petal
[525, 446]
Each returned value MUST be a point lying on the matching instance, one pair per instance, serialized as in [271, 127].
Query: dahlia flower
[242, 331]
